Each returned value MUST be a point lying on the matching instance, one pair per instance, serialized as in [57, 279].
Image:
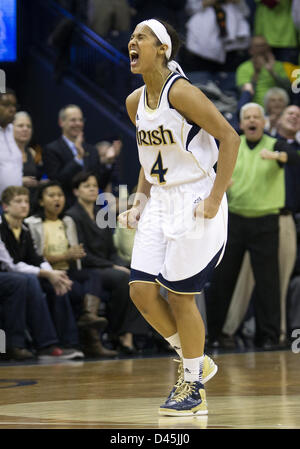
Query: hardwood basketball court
[252, 390]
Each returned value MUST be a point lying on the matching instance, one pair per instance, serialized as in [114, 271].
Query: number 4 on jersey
[158, 170]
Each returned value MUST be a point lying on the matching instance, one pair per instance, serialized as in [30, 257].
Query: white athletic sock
[174, 341]
[193, 369]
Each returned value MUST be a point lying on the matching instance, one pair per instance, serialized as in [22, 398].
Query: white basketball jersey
[171, 150]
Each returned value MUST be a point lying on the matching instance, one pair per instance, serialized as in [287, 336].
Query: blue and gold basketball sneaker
[209, 369]
[189, 400]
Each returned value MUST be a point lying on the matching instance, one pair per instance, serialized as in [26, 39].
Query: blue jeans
[62, 313]
[24, 306]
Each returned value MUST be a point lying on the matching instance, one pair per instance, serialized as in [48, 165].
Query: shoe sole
[211, 374]
[167, 412]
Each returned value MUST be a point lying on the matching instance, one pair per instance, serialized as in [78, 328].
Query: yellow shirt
[16, 232]
[56, 242]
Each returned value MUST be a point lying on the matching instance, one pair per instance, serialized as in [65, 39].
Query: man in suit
[69, 154]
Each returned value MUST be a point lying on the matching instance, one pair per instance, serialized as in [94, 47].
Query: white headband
[161, 33]
[163, 36]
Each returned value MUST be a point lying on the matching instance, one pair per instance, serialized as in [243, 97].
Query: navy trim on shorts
[194, 284]
[136, 275]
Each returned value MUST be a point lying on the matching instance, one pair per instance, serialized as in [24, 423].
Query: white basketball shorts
[171, 247]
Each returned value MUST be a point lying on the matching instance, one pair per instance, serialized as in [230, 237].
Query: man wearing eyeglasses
[11, 163]
[70, 154]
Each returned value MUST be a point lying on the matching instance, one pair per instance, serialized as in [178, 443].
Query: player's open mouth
[133, 57]
[252, 128]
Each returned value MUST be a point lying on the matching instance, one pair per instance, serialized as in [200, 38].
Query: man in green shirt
[262, 70]
[275, 23]
[255, 198]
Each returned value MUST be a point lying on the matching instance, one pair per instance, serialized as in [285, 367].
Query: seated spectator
[10, 156]
[32, 172]
[274, 21]
[70, 154]
[101, 254]
[55, 283]
[275, 101]
[23, 306]
[262, 71]
[56, 239]
[255, 199]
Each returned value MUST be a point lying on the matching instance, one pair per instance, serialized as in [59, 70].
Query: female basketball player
[182, 227]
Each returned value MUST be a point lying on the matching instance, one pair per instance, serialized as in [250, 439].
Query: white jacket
[203, 34]
[35, 225]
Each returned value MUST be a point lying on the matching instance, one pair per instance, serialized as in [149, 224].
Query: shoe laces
[186, 389]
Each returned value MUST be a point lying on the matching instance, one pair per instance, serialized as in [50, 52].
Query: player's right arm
[130, 217]
[132, 102]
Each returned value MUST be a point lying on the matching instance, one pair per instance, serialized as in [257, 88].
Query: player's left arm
[190, 102]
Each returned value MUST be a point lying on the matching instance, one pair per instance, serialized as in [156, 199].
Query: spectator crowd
[64, 280]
